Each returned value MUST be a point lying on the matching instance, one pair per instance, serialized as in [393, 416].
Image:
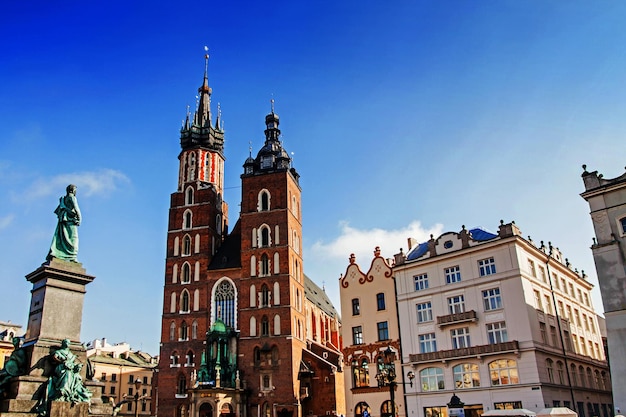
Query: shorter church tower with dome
[244, 331]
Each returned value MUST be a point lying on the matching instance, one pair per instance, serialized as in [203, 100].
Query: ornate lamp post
[136, 398]
[386, 376]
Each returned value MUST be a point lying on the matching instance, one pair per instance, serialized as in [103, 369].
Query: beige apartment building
[607, 204]
[8, 331]
[370, 327]
[121, 370]
[501, 322]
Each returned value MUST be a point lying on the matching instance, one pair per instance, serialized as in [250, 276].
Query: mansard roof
[448, 242]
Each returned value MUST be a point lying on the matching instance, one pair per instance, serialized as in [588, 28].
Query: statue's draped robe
[66, 383]
[65, 240]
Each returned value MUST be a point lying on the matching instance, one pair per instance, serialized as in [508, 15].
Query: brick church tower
[272, 285]
[244, 331]
[198, 219]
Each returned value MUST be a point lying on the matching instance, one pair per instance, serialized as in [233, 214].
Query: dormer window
[248, 169]
[267, 161]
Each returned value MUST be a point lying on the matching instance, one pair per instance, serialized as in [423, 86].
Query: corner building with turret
[244, 331]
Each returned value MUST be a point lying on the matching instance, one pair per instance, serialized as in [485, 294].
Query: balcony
[474, 351]
[456, 318]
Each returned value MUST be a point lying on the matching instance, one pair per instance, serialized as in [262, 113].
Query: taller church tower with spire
[244, 331]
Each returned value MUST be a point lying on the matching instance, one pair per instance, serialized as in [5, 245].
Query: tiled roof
[318, 297]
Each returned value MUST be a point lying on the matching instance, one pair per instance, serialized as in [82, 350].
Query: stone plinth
[56, 306]
[56, 311]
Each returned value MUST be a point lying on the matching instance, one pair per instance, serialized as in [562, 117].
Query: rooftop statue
[65, 240]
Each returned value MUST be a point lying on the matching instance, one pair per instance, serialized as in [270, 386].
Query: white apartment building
[502, 323]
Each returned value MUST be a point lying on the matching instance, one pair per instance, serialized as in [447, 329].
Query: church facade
[244, 331]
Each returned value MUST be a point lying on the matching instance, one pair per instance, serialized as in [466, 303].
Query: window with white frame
[460, 338]
[487, 266]
[456, 304]
[492, 299]
[453, 274]
[186, 245]
[428, 343]
[264, 268]
[187, 220]
[496, 332]
[432, 379]
[503, 372]
[466, 375]
[421, 282]
[424, 312]
[264, 200]
[357, 335]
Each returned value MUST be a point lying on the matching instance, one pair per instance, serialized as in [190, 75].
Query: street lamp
[136, 398]
[137, 386]
[386, 376]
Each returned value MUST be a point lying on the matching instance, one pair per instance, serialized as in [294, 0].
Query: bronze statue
[16, 365]
[65, 240]
[66, 384]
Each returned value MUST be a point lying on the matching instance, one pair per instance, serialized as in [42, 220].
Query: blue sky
[405, 118]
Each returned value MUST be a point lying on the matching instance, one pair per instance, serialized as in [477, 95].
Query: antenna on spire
[272, 103]
[206, 61]
[250, 148]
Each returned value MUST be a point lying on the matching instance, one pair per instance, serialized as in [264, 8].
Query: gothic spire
[203, 112]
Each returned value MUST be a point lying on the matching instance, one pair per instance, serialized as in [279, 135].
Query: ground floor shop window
[509, 405]
[436, 411]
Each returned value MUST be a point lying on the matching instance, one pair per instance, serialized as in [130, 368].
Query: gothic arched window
[184, 302]
[265, 326]
[187, 220]
[189, 196]
[186, 274]
[264, 200]
[265, 265]
[184, 331]
[224, 302]
[186, 245]
[181, 385]
[265, 296]
[265, 236]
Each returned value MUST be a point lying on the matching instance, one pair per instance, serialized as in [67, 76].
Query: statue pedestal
[56, 312]
[56, 304]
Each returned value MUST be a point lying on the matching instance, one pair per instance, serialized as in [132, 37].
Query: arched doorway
[361, 410]
[386, 411]
[206, 410]
[227, 410]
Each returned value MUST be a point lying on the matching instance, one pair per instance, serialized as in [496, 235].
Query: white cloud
[6, 221]
[326, 261]
[89, 183]
[362, 242]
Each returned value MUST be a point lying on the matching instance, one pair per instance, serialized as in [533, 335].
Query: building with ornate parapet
[244, 331]
[118, 367]
[607, 204]
[370, 320]
[500, 321]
